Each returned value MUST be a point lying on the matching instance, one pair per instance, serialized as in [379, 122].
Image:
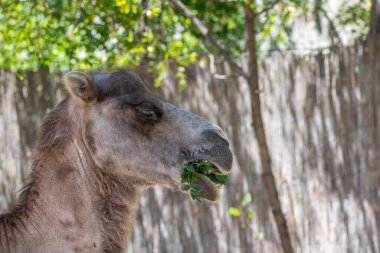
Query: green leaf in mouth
[193, 168]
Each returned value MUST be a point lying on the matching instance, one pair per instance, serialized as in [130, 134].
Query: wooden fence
[322, 117]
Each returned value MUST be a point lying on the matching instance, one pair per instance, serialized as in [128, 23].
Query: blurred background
[295, 84]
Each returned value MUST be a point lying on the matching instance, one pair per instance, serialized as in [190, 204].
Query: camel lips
[190, 176]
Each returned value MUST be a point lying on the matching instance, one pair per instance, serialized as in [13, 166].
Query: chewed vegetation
[192, 169]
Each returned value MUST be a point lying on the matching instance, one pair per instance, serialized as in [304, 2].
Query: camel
[95, 153]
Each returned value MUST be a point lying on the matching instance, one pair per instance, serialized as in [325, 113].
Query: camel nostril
[216, 132]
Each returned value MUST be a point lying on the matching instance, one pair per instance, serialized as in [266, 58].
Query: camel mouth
[203, 179]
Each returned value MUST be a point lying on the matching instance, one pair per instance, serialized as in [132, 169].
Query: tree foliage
[355, 15]
[62, 34]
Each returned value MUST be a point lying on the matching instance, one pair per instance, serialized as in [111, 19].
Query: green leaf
[260, 235]
[234, 211]
[246, 199]
[195, 191]
[193, 168]
[189, 168]
[250, 214]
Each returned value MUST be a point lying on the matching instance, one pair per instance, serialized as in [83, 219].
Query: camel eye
[147, 112]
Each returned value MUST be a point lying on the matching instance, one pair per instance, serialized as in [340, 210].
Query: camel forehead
[118, 83]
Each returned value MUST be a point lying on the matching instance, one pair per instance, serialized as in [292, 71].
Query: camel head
[133, 134]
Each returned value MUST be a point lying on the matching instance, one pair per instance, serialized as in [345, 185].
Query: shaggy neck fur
[69, 204]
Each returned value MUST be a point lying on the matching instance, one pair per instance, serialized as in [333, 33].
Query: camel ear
[80, 85]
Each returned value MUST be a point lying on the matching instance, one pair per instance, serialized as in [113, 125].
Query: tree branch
[268, 7]
[375, 18]
[260, 134]
[208, 37]
[334, 31]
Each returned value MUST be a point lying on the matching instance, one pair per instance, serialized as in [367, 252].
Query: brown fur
[92, 158]
[115, 194]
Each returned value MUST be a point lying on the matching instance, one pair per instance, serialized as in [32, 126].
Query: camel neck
[72, 208]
